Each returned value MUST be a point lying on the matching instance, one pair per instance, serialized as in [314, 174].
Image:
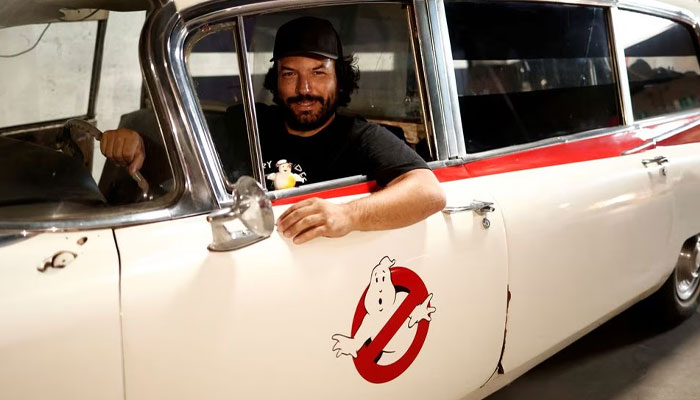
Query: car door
[588, 228]
[60, 332]
[259, 321]
[266, 320]
[59, 306]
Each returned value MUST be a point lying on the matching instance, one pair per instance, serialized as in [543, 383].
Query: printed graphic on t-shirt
[285, 178]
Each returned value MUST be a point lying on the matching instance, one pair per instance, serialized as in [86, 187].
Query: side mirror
[252, 208]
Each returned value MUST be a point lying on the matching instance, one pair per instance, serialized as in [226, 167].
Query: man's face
[308, 90]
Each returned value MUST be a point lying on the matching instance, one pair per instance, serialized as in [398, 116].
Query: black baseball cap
[307, 35]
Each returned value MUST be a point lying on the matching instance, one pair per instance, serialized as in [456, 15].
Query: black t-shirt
[348, 146]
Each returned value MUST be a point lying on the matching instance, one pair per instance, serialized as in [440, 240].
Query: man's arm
[409, 198]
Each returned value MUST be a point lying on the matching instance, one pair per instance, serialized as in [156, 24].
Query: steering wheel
[70, 147]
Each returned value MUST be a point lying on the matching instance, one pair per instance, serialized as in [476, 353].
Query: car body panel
[60, 329]
[257, 322]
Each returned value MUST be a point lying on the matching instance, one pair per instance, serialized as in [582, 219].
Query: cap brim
[306, 53]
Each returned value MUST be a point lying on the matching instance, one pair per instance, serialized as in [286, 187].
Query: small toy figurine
[284, 177]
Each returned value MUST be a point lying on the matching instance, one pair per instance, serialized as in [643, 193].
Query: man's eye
[317, 73]
[287, 74]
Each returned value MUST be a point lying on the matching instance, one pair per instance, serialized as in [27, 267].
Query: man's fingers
[284, 222]
[137, 163]
[118, 150]
[294, 207]
[107, 144]
[304, 224]
[427, 300]
[134, 153]
[310, 234]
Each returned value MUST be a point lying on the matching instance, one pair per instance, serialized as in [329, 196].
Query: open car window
[52, 169]
[377, 35]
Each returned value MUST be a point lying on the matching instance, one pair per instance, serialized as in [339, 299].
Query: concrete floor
[628, 358]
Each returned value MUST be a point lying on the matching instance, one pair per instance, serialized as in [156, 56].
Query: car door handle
[478, 206]
[660, 160]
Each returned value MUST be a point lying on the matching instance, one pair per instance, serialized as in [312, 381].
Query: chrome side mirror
[252, 208]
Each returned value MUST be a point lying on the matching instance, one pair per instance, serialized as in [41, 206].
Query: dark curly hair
[346, 72]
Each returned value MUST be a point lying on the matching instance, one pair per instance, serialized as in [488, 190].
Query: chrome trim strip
[438, 146]
[662, 119]
[316, 187]
[653, 141]
[420, 71]
[660, 9]
[454, 133]
[197, 151]
[620, 68]
[547, 142]
[446, 141]
[249, 105]
[8, 238]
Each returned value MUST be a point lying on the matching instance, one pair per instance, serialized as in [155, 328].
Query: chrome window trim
[220, 12]
[666, 135]
[435, 67]
[620, 68]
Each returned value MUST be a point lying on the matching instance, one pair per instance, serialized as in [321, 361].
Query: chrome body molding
[666, 135]
[8, 238]
[617, 53]
[249, 105]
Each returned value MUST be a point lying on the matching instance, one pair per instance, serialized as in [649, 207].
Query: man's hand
[407, 199]
[314, 217]
[124, 147]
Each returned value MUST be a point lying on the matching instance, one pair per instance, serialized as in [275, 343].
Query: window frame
[210, 15]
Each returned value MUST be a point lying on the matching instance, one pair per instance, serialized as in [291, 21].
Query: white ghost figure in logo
[381, 301]
[284, 177]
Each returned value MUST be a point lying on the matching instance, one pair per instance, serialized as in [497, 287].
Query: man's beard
[309, 120]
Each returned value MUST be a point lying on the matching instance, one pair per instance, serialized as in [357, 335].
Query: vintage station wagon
[565, 134]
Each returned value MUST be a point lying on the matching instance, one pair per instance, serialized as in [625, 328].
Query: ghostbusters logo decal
[284, 178]
[390, 324]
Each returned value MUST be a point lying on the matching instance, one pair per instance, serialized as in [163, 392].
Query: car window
[213, 67]
[662, 64]
[51, 170]
[377, 35]
[527, 72]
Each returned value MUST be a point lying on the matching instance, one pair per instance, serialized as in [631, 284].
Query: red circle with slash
[365, 361]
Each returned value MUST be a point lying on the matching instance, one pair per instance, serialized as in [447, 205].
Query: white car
[566, 136]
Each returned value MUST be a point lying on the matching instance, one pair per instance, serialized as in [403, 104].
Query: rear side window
[527, 72]
[662, 64]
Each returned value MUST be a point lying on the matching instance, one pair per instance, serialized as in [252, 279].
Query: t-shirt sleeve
[386, 156]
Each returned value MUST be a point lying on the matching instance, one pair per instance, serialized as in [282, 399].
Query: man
[309, 79]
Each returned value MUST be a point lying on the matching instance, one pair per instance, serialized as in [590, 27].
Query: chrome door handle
[660, 160]
[479, 207]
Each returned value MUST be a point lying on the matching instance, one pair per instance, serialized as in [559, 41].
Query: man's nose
[303, 85]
